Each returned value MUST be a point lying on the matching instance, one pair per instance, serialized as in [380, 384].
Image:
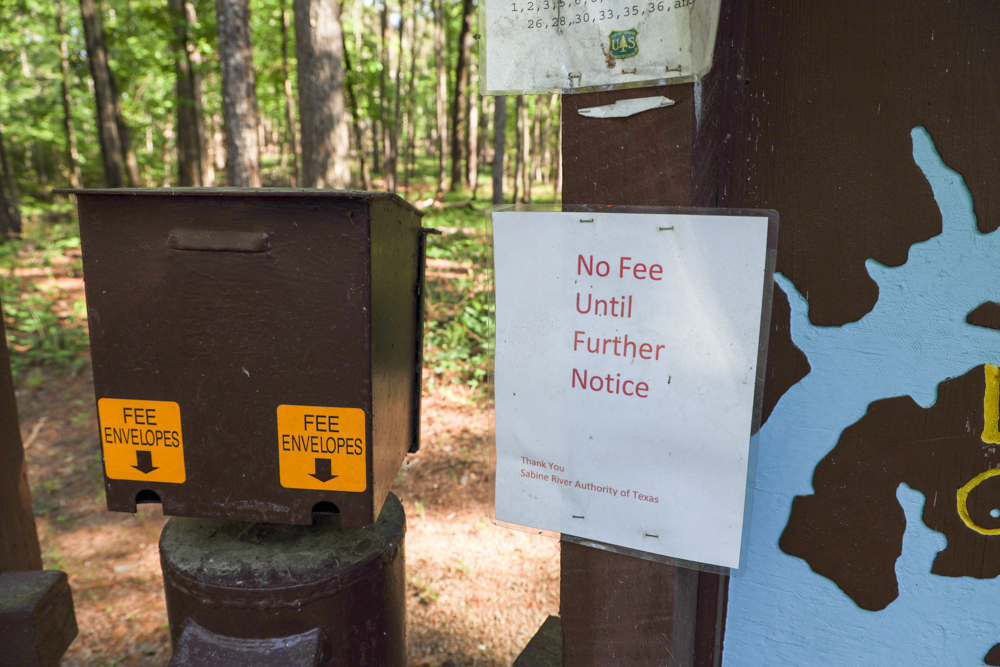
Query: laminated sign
[628, 384]
[581, 45]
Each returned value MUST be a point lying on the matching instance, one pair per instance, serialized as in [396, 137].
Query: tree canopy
[415, 121]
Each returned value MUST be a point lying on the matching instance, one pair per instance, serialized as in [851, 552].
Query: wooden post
[37, 623]
[618, 610]
[19, 550]
[865, 159]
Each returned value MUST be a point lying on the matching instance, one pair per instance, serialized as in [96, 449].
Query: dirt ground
[476, 592]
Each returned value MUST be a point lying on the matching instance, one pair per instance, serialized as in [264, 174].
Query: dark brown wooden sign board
[213, 310]
[807, 110]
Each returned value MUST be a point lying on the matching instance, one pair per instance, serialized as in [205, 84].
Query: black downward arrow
[322, 470]
[144, 461]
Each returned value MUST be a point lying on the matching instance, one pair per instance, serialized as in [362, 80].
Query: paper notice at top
[582, 45]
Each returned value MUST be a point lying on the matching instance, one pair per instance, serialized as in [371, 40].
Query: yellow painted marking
[142, 440]
[991, 405]
[963, 498]
[322, 448]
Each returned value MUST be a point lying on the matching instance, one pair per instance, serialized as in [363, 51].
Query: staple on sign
[591, 220]
[656, 536]
[577, 517]
[666, 229]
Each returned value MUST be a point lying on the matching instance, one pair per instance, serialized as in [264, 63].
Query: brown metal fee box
[256, 352]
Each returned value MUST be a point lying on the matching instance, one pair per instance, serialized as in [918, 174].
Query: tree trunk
[239, 97]
[5, 220]
[9, 208]
[319, 47]
[128, 154]
[217, 144]
[290, 133]
[472, 136]
[383, 102]
[442, 97]
[104, 94]
[394, 137]
[559, 152]
[486, 124]
[527, 153]
[73, 164]
[189, 149]
[168, 138]
[133, 177]
[194, 57]
[551, 130]
[147, 171]
[357, 20]
[464, 47]
[544, 141]
[499, 140]
[352, 100]
[522, 147]
[411, 88]
[536, 147]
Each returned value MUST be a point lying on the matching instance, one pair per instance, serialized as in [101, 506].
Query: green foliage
[44, 329]
[424, 591]
[31, 112]
[459, 299]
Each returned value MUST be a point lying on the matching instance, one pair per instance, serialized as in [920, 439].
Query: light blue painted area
[780, 612]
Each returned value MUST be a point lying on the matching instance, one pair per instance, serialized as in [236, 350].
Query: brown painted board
[37, 623]
[19, 549]
[227, 306]
[809, 110]
[618, 610]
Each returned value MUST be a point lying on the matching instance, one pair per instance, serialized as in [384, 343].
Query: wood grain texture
[710, 622]
[642, 160]
[816, 105]
[722, 110]
[19, 549]
[618, 610]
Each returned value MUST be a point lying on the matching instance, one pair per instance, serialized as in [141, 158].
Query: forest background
[146, 93]
[362, 94]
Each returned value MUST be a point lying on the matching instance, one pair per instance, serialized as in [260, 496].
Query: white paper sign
[626, 359]
[578, 45]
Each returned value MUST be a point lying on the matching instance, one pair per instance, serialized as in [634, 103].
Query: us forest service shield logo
[624, 44]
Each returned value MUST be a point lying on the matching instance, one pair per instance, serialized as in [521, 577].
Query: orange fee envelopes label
[142, 440]
[322, 448]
